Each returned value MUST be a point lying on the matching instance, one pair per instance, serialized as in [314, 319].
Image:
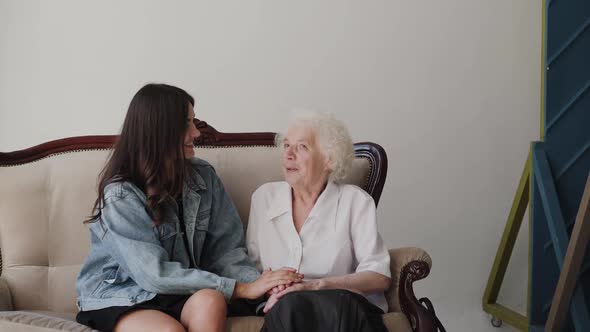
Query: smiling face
[304, 164]
[191, 134]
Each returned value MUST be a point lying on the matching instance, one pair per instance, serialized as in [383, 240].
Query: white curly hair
[333, 138]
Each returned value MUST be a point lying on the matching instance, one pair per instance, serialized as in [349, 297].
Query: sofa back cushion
[43, 203]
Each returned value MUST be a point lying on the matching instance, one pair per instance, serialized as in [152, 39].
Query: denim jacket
[131, 260]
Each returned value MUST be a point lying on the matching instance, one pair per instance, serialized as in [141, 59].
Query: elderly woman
[324, 229]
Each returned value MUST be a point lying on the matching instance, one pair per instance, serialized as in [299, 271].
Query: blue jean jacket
[131, 260]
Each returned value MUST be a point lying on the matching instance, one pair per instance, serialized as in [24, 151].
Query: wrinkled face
[303, 163]
[191, 134]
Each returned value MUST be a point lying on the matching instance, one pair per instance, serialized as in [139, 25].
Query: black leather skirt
[324, 310]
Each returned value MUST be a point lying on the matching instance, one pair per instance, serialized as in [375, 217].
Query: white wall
[449, 88]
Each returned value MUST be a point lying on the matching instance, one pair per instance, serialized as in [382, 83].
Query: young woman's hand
[267, 281]
[279, 288]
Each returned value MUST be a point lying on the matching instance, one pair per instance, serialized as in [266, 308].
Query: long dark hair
[149, 152]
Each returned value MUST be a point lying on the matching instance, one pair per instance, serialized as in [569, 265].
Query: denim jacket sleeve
[129, 231]
[225, 249]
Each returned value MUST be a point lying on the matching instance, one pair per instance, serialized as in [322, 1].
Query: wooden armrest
[408, 265]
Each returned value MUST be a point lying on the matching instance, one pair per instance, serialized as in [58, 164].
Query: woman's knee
[204, 304]
[209, 298]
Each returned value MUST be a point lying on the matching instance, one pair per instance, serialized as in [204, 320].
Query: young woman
[167, 246]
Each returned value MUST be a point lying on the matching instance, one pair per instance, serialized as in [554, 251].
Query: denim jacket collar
[193, 180]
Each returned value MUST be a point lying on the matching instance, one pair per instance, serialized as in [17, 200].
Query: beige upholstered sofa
[46, 191]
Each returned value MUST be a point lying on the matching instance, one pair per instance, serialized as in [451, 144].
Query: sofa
[48, 190]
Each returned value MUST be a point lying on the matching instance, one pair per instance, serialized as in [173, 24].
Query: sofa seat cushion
[33, 321]
[40, 321]
[244, 324]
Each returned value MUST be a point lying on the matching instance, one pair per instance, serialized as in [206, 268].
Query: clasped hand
[276, 293]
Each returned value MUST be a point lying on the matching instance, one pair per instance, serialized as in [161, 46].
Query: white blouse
[338, 237]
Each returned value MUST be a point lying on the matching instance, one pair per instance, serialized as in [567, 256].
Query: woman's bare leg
[148, 320]
[205, 311]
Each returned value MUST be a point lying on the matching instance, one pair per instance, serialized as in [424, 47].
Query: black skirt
[105, 319]
[335, 310]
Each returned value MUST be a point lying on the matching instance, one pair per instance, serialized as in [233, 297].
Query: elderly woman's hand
[316, 284]
[272, 300]
[306, 285]
[266, 282]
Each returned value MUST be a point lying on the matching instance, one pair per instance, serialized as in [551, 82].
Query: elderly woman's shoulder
[355, 193]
